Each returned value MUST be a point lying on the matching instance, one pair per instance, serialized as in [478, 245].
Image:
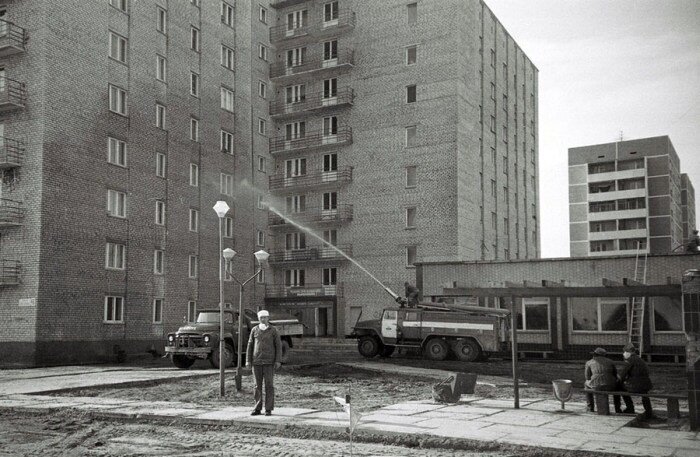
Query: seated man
[601, 374]
[634, 377]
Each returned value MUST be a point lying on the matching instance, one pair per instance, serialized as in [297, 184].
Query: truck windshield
[211, 317]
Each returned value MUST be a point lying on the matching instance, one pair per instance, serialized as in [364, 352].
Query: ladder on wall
[636, 331]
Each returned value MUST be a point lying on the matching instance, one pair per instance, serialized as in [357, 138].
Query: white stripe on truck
[448, 325]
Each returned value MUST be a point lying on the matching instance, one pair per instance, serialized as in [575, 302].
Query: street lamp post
[261, 256]
[221, 209]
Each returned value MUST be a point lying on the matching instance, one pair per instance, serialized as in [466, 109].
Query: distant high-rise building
[687, 207]
[626, 197]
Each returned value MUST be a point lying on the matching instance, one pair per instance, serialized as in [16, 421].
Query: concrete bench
[602, 400]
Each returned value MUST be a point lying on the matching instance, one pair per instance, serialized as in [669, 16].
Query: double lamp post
[227, 255]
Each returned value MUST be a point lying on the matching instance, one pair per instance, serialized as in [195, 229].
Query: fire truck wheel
[467, 350]
[368, 346]
[387, 350]
[228, 356]
[436, 349]
[285, 351]
[182, 361]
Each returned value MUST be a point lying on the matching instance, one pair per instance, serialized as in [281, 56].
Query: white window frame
[161, 20]
[194, 84]
[194, 220]
[118, 100]
[195, 44]
[262, 52]
[331, 13]
[115, 256]
[413, 47]
[118, 47]
[158, 310]
[121, 5]
[161, 68]
[161, 165]
[226, 184]
[227, 57]
[408, 256]
[262, 14]
[407, 214]
[160, 212]
[415, 87]
[158, 261]
[414, 169]
[191, 311]
[262, 126]
[260, 238]
[116, 203]
[535, 302]
[193, 266]
[407, 143]
[117, 304]
[226, 142]
[227, 99]
[260, 278]
[262, 167]
[599, 302]
[228, 227]
[160, 116]
[116, 152]
[194, 129]
[194, 175]
[262, 89]
[227, 14]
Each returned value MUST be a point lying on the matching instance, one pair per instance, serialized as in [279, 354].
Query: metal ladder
[636, 331]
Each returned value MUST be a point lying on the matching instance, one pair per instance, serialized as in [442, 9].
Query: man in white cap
[264, 354]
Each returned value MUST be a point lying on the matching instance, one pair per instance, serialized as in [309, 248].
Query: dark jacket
[635, 375]
[601, 372]
[264, 346]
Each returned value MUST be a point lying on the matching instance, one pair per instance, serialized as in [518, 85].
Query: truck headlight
[171, 338]
[207, 338]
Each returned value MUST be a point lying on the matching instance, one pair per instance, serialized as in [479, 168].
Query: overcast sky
[607, 66]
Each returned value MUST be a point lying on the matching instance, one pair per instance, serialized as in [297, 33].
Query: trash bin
[464, 383]
[562, 390]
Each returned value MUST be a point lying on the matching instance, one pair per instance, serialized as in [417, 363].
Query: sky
[605, 67]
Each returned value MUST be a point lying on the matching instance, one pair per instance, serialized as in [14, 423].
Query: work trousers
[646, 402]
[266, 374]
[616, 398]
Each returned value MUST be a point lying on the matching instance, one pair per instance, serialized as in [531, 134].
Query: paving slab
[541, 441]
[326, 415]
[471, 410]
[662, 440]
[225, 414]
[627, 449]
[412, 408]
[592, 423]
[522, 430]
[496, 403]
[391, 418]
[520, 416]
[453, 416]
[395, 428]
[583, 436]
[292, 412]
[467, 434]
[453, 425]
[555, 406]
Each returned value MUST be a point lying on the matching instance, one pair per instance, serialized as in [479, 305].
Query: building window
[262, 89]
[296, 203]
[493, 188]
[295, 278]
[191, 311]
[411, 176]
[330, 50]
[296, 57]
[117, 47]
[160, 212]
[493, 124]
[194, 129]
[194, 175]
[260, 238]
[226, 142]
[194, 84]
[227, 14]
[668, 314]
[412, 13]
[228, 227]
[162, 22]
[494, 225]
[295, 94]
[411, 94]
[262, 14]
[493, 91]
[261, 277]
[261, 202]
[505, 103]
[117, 100]
[116, 152]
[330, 201]
[295, 130]
[116, 203]
[297, 20]
[411, 217]
[158, 262]
[122, 5]
[534, 314]
[160, 165]
[226, 99]
[193, 270]
[114, 309]
[227, 57]
[411, 54]
[505, 226]
[158, 311]
[599, 314]
[160, 116]
[505, 165]
[195, 3]
[505, 134]
[330, 126]
[261, 164]
[194, 39]
[161, 68]
[262, 126]
[115, 256]
[330, 276]
[226, 184]
[194, 220]
[262, 52]
[411, 252]
[330, 13]
[410, 136]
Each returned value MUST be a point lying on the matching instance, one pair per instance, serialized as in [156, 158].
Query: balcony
[317, 139]
[617, 195]
[313, 102]
[11, 213]
[13, 94]
[615, 175]
[343, 213]
[344, 21]
[12, 38]
[314, 179]
[311, 254]
[10, 272]
[343, 59]
[305, 291]
[285, 3]
[11, 153]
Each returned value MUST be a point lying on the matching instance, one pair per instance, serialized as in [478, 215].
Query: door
[296, 20]
[321, 324]
[330, 280]
[330, 167]
[330, 130]
[293, 169]
[390, 322]
[330, 206]
[294, 242]
[330, 91]
[296, 204]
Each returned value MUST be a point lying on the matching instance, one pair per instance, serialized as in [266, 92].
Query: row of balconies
[11, 212]
[11, 153]
[12, 38]
[309, 180]
[10, 272]
[316, 29]
[305, 290]
[345, 58]
[339, 214]
[318, 139]
[317, 101]
[310, 254]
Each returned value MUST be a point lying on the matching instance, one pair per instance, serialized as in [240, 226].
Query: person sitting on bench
[601, 374]
[634, 377]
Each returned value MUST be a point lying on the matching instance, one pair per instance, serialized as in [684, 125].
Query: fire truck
[470, 333]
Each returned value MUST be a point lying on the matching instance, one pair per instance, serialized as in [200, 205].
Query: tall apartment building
[687, 207]
[122, 123]
[626, 197]
[401, 130]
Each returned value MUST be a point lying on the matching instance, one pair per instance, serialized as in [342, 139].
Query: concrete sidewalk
[538, 422]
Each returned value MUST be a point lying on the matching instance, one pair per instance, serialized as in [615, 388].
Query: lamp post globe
[262, 256]
[221, 208]
[229, 253]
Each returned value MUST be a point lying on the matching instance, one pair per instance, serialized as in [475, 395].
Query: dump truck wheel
[228, 356]
[182, 361]
[369, 346]
[436, 349]
[387, 351]
[467, 350]
[285, 351]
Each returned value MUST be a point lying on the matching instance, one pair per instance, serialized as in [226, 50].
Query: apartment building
[627, 197]
[122, 122]
[400, 130]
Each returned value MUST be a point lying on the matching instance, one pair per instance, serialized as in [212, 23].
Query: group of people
[633, 377]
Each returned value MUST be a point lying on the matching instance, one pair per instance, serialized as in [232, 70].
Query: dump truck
[200, 339]
[470, 333]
